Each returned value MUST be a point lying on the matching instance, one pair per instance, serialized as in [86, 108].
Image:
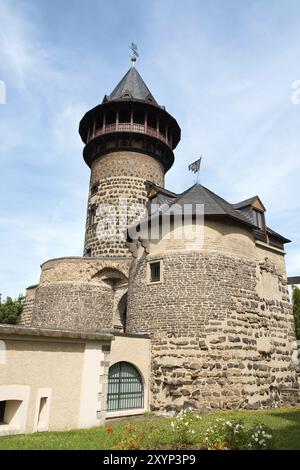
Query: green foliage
[235, 435]
[184, 427]
[10, 310]
[296, 309]
[157, 433]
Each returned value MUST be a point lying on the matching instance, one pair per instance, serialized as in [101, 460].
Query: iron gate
[125, 388]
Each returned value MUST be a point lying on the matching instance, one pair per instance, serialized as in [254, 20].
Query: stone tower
[129, 139]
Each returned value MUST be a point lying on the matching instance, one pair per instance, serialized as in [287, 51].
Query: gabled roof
[133, 87]
[159, 189]
[254, 201]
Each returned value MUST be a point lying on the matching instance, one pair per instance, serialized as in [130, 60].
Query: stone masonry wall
[78, 293]
[28, 306]
[216, 342]
[118, 175]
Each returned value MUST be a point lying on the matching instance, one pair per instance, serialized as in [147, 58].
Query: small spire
[135, 54]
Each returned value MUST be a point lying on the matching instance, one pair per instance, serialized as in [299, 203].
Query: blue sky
[223, 68]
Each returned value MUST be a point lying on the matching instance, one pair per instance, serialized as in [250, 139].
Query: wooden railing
[129, 127]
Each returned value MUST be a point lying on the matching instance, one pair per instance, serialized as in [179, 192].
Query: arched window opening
[125, 388]
[152, 121]
[112, 277]
[124, 115]
[162, 127]
[99, 122]
[121, 313]
[139, 117]
[110, 118]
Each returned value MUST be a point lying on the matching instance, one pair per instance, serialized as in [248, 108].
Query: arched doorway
[125, 388]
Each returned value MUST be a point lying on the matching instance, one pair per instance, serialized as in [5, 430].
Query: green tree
[296, 310]
[10, 310]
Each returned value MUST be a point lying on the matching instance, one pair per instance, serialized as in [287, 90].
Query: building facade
[185, 318]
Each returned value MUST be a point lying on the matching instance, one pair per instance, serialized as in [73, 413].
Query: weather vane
[135, 54]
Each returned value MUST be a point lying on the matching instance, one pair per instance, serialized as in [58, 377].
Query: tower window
[91, 215]
[152, 120]
[124, 115]
[162, 127]
[94, 188]
[139, 117]
[154, 273]
[110, 118]
[99, 122]
[88, 253]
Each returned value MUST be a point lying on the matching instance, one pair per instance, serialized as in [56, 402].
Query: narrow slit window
[91, 216]
[155, 272]
[94, 188]
[42, 416]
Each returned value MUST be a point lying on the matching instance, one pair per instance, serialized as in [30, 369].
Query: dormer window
[126, 95]
[259, 219]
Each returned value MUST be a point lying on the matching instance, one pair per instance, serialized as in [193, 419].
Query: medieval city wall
[220, 337]
[28, 306]
[76, 293]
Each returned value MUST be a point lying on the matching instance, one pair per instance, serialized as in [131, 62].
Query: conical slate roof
[132, 86]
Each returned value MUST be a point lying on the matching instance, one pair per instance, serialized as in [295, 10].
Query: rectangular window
[91, 216]
[155, 272]
[258, 219]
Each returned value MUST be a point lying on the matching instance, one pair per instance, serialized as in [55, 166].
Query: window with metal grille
[125, 388]
[155, 272]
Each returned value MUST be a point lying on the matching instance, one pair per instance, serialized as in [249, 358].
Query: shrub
[133, 442]
[184, 427]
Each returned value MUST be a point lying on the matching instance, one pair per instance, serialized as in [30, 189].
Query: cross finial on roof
[135, 54]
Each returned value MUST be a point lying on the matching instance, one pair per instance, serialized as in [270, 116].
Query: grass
[284, 424]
